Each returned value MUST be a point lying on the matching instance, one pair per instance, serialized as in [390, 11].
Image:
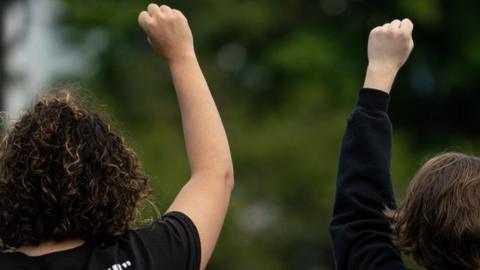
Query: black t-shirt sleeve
[170, 243]
[360, 232]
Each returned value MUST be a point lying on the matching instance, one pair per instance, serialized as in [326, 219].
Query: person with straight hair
[438, 223]
[70, 186]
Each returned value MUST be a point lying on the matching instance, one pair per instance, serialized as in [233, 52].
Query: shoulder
[173, 223]
[173, 239]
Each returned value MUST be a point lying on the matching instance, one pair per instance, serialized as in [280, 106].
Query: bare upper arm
[205, 201]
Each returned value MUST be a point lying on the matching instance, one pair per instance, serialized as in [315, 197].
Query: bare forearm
[206, 141]
[380, 78]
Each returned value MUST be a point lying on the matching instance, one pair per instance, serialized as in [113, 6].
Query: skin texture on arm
[206, 195]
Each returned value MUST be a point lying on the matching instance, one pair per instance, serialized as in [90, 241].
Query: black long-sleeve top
[360, 232]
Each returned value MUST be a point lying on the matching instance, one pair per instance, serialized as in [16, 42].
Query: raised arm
[206, 195]
[360, 232]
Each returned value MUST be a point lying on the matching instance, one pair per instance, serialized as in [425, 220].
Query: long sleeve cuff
[372, 99]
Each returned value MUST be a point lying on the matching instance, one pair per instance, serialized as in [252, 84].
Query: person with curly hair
[70, 185]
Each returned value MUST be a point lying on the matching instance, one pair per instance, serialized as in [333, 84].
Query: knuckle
[376, 31]
[179, 15]
[177, 12]
[404, 35]
[397, 32]
[388, 33]
[153, 10]
[149, 24]
[144, 18]
[148, 21]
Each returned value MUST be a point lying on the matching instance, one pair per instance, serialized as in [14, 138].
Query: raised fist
[390, 45]
[168, 31]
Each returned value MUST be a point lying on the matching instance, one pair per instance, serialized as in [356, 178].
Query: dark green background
[285, 75]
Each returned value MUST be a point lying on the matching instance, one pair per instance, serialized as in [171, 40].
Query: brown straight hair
[438, 223]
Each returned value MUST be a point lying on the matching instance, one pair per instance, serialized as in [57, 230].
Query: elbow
[219, 176]
[226, 175]
[229, 178]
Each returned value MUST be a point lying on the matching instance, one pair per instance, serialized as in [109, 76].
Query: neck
[50, 247]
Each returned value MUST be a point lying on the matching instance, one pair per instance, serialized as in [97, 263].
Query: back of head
[64, 174]
[439, 221]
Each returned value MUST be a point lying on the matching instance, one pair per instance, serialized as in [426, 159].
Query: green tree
[285, 76]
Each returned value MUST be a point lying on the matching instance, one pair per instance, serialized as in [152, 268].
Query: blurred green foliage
[285, 75]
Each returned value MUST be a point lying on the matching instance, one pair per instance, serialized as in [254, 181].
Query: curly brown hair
[65, 174]
[439, 220]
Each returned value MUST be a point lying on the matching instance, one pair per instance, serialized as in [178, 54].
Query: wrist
[380, 77]
[180, 58]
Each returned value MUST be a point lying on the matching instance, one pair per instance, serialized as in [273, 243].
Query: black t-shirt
[170, 243]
